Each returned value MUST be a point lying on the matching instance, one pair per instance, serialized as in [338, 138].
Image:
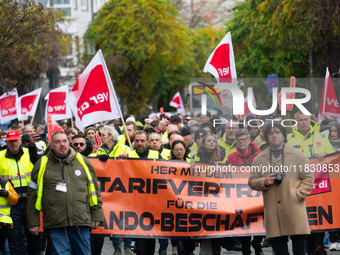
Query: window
[66, 11]
[83, 4]
[61, 1]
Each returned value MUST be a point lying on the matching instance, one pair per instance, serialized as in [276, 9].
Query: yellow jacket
[311, 144]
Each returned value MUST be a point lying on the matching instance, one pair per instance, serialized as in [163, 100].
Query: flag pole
[72, 124]
[127, 135]
[325, 95]
[32, 119]
[23, 122]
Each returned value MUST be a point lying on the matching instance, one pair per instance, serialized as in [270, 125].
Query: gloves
[103, 157]
[3, 193]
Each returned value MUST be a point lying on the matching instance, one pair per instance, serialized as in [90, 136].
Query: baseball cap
[186, 130]
[200, 132]
[12, 135]
[149, 128]
[26, 137]
[131, 119]
[175, 118]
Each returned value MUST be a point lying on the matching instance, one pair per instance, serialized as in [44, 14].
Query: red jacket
[237, 157]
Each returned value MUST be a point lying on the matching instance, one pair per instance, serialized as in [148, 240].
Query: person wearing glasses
[245, 153]
[228, 141]
[82, 146]
[180, 151]
[246, 150]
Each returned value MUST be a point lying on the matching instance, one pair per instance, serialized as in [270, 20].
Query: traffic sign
[273, 82]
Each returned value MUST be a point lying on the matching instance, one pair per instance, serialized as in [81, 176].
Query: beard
[142, 150]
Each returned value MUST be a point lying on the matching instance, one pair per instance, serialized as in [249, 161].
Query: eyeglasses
[80, 144]
[242, 140]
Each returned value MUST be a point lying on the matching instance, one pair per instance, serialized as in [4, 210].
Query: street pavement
[108, 250]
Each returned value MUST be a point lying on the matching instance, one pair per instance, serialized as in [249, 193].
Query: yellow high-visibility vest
[5, 208]
[90, 186]
[152, 154]
[10, 168]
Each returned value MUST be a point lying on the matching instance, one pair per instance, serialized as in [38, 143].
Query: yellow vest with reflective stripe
[119, 149]
[5, 208]
[9, 169]
[40, 182]
[116, 151]
[194, 146]
[152, 154]
[165, 135]
[228, 148]
[121, 139]
[311, 144]
[165, 153]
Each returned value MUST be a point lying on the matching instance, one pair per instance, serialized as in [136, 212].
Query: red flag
[93, 95]
[51, 127]
[221, 62]
[7, 106]
[329, 106]
[56, 105]
[27, 104]
[289, 95]
[177, 102]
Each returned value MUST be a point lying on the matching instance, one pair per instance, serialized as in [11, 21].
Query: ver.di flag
[93, 98]
[177, 102]
[56, 104]
[27, 104]
[329, 106]
[8, 110]
[221, 62]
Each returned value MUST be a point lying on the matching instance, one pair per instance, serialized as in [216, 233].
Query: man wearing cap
[188, 136]
[199, 134]
[90, 132]
[176, 120]
[16, 164]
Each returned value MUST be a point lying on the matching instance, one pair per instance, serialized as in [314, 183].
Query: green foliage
[30, 42]
[275, 36]
[146, 45]
[259, 50]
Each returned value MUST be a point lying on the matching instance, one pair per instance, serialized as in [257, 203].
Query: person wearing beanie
[90, 132]
[188, 135]
[253, 130]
